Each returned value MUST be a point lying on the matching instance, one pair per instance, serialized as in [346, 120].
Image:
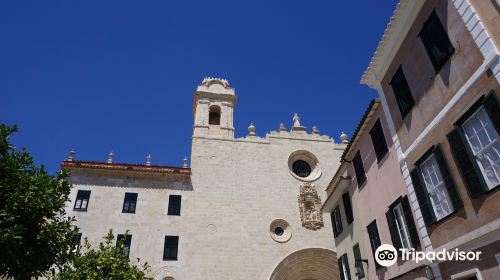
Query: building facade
[247, 208]
[437, 72]
[373, 182]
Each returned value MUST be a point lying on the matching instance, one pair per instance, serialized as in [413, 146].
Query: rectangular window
[346, 199]
[174, 205]
[360, 272]
[170, 248]
[125, 241]
[82, 200]
[374, 239]
[345, 274]
[402, 92]
[129, 203]
[436, 188]
[401, 226]
[336, 222]
[436, 41]
[78, 242]
[378, 140]
[484, 143]
[359, 169]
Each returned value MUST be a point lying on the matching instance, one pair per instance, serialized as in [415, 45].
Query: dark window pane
[436, 41]
[121, 240]
[378, 140]
[346, 199]
[170, 248]
[359, 169]
[129, 203]
[82, 200]
[174, 205]
[337, 222]
[402, 92]
[301, 168]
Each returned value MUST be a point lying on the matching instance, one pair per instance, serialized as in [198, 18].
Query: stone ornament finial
[251, 130]
[148, 160]
[315, 130]
[343, 138]
[71, 155]
[110, 157]
[296, 120]
[282, 127]
[185, 162]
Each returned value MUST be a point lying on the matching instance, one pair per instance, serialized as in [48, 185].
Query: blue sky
[98, 76]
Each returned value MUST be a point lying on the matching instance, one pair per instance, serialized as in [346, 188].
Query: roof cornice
[400, 23]
[125, 167]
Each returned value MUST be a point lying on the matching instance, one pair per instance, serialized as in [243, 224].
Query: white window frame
[482, 150]
[436, 188]
[402, 226]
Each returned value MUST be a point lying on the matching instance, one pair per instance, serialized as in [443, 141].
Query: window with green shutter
[359, 169]
[436, 41]
[402, 92]
[346, 199]
[475, 144]
[434, 187]
[345, 273]
[378, 140]
[401, 225]
[358, 261]
[374, 239]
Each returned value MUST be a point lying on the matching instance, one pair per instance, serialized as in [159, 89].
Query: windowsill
[80, 209]
[174, 215]
[445, 218]
[170, 259]
[124, 212]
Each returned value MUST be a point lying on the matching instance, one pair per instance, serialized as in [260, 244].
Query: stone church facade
[247, 208]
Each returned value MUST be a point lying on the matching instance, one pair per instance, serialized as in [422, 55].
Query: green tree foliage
[35, 233]
[108, 262]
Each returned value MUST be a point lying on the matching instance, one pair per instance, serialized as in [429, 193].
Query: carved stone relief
[310, 207]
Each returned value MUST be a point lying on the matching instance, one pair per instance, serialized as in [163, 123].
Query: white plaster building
[249, 207]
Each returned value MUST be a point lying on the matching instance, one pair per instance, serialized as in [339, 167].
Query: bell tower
[214, 102]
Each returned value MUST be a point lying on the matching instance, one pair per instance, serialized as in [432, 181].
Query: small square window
[129, 203]
[170, 248]
[82, 200]
[174, 205]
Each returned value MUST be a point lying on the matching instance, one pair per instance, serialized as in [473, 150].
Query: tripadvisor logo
[387, 255]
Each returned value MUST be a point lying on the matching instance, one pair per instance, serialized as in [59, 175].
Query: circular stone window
[280, 230]
[304, 166]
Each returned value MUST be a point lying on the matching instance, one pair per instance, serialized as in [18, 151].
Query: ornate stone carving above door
[310, 207]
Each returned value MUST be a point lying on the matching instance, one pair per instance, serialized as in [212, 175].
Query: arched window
[214, 115]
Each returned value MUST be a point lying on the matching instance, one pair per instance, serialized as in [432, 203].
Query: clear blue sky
[98, 76]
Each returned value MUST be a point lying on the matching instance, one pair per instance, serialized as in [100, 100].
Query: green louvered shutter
[448, 180]
[466, 163]
[493, 109]
[422, 197]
